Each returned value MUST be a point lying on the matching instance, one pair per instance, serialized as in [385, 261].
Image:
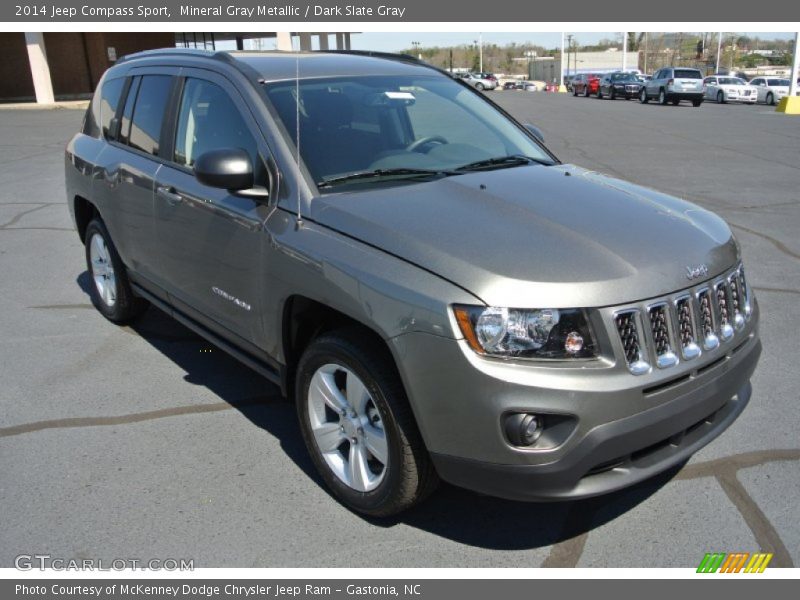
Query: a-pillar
[40, 70]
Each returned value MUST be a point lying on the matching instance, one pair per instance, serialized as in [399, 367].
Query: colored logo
[737, 562]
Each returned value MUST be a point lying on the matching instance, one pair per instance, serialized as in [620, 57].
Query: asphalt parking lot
[144, 442]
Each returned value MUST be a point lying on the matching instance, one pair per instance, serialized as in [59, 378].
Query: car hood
[537, 236]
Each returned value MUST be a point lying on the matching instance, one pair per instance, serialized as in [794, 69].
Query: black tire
[409, 477]
[696, 103]
[574, 91]
[613, 94]
[643, 99]
[586, 91]
[662, 97]
[720, 97]
[126, 306]
[675, 101]
[599, 93]
[771, 99]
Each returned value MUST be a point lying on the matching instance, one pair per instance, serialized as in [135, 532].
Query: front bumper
[622, 433]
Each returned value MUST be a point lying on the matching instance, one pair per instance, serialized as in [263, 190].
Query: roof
[281, 66]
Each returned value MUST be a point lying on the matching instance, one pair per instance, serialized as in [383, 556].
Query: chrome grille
[706, 313]
[659, 327]
[683, 325]
[631, 345]
[724, 310]
[686, 328]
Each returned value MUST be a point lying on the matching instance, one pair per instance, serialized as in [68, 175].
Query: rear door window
[150, 105]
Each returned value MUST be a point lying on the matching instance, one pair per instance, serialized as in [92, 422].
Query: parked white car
[723, 88]
[771, 89]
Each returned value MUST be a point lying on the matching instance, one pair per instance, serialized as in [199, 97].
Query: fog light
[574, 342]
[523, 429]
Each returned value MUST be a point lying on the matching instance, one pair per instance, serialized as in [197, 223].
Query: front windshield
[731, 81]
[362, 124]
[624, 77]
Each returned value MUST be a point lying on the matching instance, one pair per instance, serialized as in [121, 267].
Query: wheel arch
[84, 212]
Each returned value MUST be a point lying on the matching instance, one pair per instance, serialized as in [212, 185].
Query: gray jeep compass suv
[436, 306]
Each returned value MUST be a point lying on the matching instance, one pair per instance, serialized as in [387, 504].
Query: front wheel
[771, 99]
[358, 426]
[110, 289]
[643, 96]
[720, 98]
[662, 97]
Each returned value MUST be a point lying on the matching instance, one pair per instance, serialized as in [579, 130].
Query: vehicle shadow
[453, 513]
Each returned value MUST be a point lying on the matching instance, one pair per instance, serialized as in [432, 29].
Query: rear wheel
[110, 289]
[358, 426]
[696, 103]
[479, 86]
[586, 91]
[643, 96]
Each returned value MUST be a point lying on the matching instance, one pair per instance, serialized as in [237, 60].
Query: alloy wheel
[103, 270]
[347, 427]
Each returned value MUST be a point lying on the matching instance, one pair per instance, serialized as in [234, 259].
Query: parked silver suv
[673, 84]
[436, 307]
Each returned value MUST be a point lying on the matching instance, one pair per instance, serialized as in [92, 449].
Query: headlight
[526, 333]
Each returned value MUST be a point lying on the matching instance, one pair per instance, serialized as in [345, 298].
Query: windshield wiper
[513, 160]
[379, 173]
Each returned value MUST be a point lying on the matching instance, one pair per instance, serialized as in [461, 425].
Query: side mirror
[226, 168]
[535, 132]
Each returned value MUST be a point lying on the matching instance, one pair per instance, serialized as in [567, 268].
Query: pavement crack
[18, 216]
[777, 243]
[150, 415]
[724, 470]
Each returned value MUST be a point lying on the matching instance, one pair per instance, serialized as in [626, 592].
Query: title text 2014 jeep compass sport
[441, 297]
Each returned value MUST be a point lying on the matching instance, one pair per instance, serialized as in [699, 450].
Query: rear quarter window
[104, 107]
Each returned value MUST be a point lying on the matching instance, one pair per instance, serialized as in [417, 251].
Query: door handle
[169, 194]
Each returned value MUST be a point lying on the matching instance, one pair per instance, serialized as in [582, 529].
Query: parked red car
[586, 84]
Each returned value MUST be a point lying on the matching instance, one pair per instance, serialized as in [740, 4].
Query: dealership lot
[145, 442]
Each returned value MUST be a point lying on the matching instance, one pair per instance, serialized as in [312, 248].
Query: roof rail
[176, 52]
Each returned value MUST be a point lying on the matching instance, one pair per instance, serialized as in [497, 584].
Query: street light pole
[480, 50]
[719, 50]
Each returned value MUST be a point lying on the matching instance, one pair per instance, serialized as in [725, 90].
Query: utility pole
[624, 51]
[480, 50]
[569, 49]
